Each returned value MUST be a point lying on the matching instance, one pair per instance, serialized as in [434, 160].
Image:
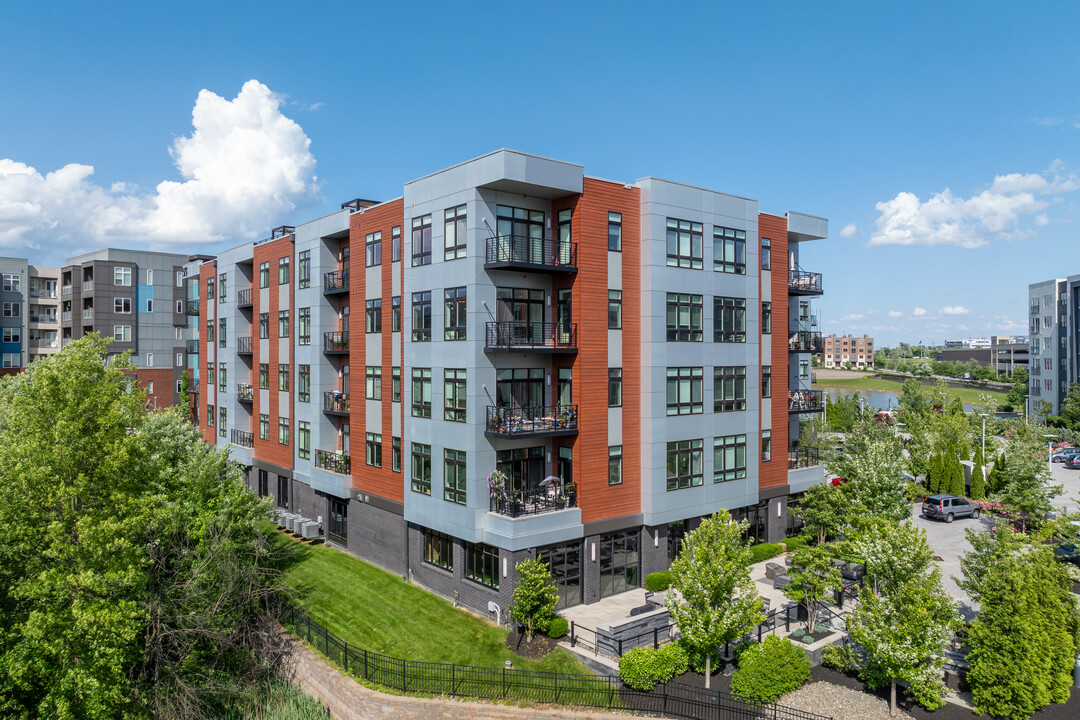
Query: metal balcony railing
[805, 341]
[193, 347]
[533, 501]
[243, 297]
[505, 421]
[66, 290]
[336, 342]
[804, 401]
[336, 403]
[42, 293]
[244, 392]
[191, 307]
[88, 285]
[801, 282]
[87, 313]
[243, 345]
[243, 438]
[529, 253]
[49, 319]
[335, 282]
[531, 336]
[332, 461]
[803, 457]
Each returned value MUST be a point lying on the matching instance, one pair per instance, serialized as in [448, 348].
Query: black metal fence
[518, 503]
[522, 250]
[531, 336]
[672, 699]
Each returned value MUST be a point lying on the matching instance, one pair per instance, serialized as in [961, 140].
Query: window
[179, 359]
[303, 270]
[373, 316]
[283, 270]
[454, 314]
[149, 360]
[421, 316]
[122, 333]
[421, 392]
[614, 309]
[729, 320]
[729, 458]
[421, 468]
[149, 305]
[766, 445]
[614, 231]
[264, 427]
[373, 382]
[304, 326]
[14, 335]
[766, 253]
[766, 318]
[684, 318]
[729, 388]
[395, 244]
[395, 454]
[454, 395]
[684, 464]
[283, 323]
[222, 420]
[122, 276]
[684, 244]
[439, 549]
[209, 415]
[614, 465]
[395, 314]
[303, 439]
[264, 376]
[149, 276]
[11, 360]
[12, 309]
[179, 308]
[614, 387]
[283, 377]
[729, 250]
[804, 369]
[395, 384]
[804, 311]
[283, 431]
[264, 274]
[12, 283]
[223, 379]
[373, 249]
[454, 233]
[210, 331]
[149, 387]
[221, 332]
[210, 288]
[122, 306]
[454, 476]
[766, 381]
[264, 325]
[303, 389]
[373, 449]
[421, 240]
[684, 390]
[210, 374]
[482, 564]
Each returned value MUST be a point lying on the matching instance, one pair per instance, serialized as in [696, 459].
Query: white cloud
[1042, 220]
[1046, 121]
[848, 231]
[242, 167]
[954, 310]
[854, 316]
[895, 314]
[918, 312]
[947, 219]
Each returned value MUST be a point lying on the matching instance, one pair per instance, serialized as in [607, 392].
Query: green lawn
[371, 608]
[967, 395]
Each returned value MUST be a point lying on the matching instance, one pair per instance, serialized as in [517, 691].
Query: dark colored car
[948, 507]
[1073, 463]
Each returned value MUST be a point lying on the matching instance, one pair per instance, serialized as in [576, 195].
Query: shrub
[557, 627]
[794, 543]
[658, 581]
[769, 670]
[764, 551]
[643, 668]
[839, 657]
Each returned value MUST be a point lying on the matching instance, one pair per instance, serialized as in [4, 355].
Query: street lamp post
[984, 436]
[1050, 452]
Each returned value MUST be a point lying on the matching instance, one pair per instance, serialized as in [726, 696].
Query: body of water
[877, 399]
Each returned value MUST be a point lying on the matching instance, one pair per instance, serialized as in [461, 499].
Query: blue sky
[942, 140]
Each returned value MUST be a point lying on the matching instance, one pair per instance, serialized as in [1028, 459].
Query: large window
[729, 320]
[684, 318]
[303, 270]
[766, 254]
[729, 388]
[264, 325]
[283, 323]
[454, 234]
[373, 316]
[283, 431]
[373, 449]
[454, 476]
[421, 468]
[122, 276]
[564, 563]
[614, 231]
[766, 318]
[482, 564]
[121, 333]
[421, 392]
[684, 464]
[439, 549]
[685, 390]
[264, 426]
[303, 439]
[729, 250]
[614, 387]
[421, 316]
[684, 244]
[454, 395]
[619, 569]
[766, 381]
[264, 376]
[614, 309]
[303, 383]
[729, 458]
[12, 309]
[373, 249]
[264, 274]
[283, 270]
[454, 314]
[12, 283]
[421, 240]
[122, 306]
[303, 328]
[283, 377]
[614, 465]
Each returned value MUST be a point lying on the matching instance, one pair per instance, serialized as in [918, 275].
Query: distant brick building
[837, 350]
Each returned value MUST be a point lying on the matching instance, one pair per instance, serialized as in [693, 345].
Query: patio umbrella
[549, 480]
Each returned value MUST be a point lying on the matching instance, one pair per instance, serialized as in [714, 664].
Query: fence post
[665, 699]
[611, 691]
[345, 654]
[365, 665]
[504, 682]
[453, 683]
[556, 699]
[402, 676]
[309, 628]
[326, 640]
[573, 639]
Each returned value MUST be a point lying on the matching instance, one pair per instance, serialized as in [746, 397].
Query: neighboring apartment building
[839, 350]
[972, 343]
[1052, 340]
[29, 312]
[610, 349]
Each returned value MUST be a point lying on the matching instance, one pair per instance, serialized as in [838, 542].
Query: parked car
[949, 507]
[1073, 462]
[1064, 454]
[1068, 552]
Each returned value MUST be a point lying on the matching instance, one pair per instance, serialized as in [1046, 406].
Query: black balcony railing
[531, 336]
[536, 420]
[529, 253]
[193, 347]
[332, 461]
[243, 439]
[801, 282]
[335, 282]
[243, 344]
[243, 297]
[805, 401]
[533, 501]
[244, 392]
[336, 403]
[336, 342]
[803, 457]
[805, 341]
[191, 307]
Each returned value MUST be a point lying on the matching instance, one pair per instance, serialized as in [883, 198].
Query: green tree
[958, 486]
[823, 510]
[874, 468]
[936, 473]
[892, 555]
[185, 394]
[1025, 483]
[717, 602]
[987, 550]
[813, 576]
[978, 476]
[1070, 406]
[535, 596]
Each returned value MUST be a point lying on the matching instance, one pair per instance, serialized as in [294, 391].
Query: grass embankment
[376, 610]
[966, 395]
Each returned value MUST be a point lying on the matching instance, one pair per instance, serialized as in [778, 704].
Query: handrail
[525, 250]
[531, 335]
[525, 420]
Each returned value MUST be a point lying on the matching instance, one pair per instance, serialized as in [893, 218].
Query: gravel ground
[839, 703]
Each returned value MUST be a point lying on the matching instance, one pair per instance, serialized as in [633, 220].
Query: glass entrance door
[564, 562]
[619, 566]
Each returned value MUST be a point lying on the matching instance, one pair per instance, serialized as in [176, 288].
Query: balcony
[335, 403]
[334, 462]
[804, 341]
[66, 316]
[244, 392]
[336, 343]
[531, 337]
[243, 298]
[243, 345]
[39, 292]
[335, 283]
[805, 401]
[519, 503]
[88, 286]
[801, 282]
[804, 457]
[88, 314]
[47, 319]
[44, 343]
[539, 421]
[193, 347]
[519, 252]
[243, 439]
[66, 290]
[191, 307]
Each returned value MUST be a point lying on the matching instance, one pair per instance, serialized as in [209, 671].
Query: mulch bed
[540, 646]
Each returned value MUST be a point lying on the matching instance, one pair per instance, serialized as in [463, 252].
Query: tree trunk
[708, 670]
[892, 699]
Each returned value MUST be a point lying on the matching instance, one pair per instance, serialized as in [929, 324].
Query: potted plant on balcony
[499, 490]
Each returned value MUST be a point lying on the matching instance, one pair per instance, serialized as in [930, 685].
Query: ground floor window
[619, 566]
[283, 492]
[755, 516]
[264, 483]
[676, 531]
[564, 562]
[439, 549]
[482, 564]
[339, 521]
[794, 525]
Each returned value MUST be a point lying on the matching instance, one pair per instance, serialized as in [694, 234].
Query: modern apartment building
[1054, 312]
[839, 350]
[30, 317]
[536, 362]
